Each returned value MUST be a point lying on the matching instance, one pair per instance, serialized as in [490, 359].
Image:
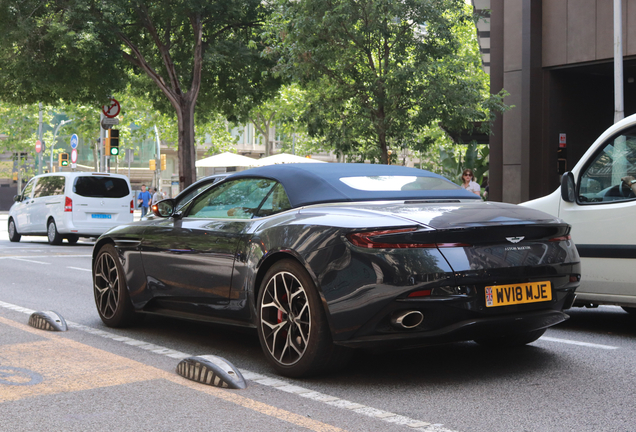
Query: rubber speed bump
[211, 370]
[48, 320]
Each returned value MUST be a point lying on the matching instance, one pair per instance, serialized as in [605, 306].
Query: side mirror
[568, 188]
[17, 198]
[164, 208]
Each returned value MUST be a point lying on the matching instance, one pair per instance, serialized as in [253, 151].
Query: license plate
[100, 216]
[531, 292]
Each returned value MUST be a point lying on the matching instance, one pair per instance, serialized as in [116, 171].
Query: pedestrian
[469, 183]
[144, 199]
[157, 196]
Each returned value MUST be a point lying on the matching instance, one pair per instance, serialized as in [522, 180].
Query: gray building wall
[555, 58]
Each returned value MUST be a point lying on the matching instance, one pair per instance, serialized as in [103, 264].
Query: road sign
[111, 110]
[108, 123]
[38, 146]
[74, 155]
[74, 141]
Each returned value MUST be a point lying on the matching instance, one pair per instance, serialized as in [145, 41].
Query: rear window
[101, 187]
[397, 183]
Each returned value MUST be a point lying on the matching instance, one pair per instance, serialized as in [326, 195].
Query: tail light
[132, 206]
[561, 238]
[68, 205]
[374, 240]
[386, 239]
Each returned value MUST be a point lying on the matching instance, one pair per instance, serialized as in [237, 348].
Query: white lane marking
[571, 342]
[28, 260]
[46, 256]
[261, 379]
[77, 268]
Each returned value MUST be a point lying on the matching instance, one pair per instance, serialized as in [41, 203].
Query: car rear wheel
[14, 236]
[511, 341]
[54, 237]
[72, 239]
[111, 293]
[292, 326]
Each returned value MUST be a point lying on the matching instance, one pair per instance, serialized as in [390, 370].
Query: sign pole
[40, 139]
[102, 156]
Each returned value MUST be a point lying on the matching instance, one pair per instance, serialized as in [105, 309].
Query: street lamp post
[57, 128]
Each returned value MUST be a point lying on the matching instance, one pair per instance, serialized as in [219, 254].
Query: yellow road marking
[68, 366]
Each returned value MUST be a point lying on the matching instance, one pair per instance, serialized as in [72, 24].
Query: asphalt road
[579, 376]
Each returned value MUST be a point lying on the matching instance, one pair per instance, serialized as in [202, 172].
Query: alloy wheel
[107, 285]
[285, 318]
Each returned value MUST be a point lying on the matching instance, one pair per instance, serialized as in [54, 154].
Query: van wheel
[72, 239]
[54, 237]
[14, 236]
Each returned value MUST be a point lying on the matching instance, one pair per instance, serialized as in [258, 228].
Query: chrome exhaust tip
[407, 319]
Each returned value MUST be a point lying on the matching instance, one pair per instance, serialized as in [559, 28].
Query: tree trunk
[187, 147]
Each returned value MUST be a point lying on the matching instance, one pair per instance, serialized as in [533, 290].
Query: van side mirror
[17, 198]
[568, 188]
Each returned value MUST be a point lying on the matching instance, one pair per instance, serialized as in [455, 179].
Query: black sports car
[323, 258]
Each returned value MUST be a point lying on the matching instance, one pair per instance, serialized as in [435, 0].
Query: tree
[380, 70]
[183, 56]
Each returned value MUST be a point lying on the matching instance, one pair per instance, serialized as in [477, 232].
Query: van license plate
[531, 292]
[100, 216]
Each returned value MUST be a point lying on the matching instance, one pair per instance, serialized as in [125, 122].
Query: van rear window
[101, 187]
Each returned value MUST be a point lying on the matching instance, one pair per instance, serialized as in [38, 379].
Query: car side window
[49, 186]
[608, 178]
[238, 199]
[277, 201]
[28, 189]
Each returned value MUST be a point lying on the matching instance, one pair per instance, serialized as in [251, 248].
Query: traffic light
[163, 162]
[113, 142]
[63, 159]
[107, 146]
[153, 164]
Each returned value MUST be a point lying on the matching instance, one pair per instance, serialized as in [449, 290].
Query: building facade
[555, 59]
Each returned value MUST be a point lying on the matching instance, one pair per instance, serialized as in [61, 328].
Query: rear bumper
[463, 330]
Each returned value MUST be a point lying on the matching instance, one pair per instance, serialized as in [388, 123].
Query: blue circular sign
[74, 141]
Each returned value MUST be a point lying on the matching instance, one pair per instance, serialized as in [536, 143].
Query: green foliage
[378, 72]
[178, 55]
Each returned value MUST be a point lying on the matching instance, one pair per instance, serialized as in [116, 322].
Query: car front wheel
[14, 236]
[54, 237]
[111, 293]
[292, 326]
[511, 341]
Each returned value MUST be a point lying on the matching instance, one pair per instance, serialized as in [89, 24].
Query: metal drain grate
[48, 320]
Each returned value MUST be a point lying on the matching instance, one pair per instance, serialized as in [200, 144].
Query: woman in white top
[468, 183]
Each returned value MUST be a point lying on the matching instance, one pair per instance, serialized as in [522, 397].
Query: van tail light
[68, 205]
[132, 206]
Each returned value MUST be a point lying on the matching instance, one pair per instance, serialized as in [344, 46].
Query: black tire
[110, 290]
[14, 236]
[629, 310]
[72, 239]
[51, 232]
[292, 326]
[511, 341]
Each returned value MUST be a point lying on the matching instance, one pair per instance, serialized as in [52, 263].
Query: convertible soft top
[316, 183]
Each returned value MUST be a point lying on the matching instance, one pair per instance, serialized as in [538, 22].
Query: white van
[69, 205]
[598, 198]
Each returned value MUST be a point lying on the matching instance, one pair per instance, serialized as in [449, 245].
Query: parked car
[191, 191]
[597, 198]
[323, 258]
[70, 205]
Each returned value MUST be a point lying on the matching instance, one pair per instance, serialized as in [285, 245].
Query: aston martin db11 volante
[323, 258]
